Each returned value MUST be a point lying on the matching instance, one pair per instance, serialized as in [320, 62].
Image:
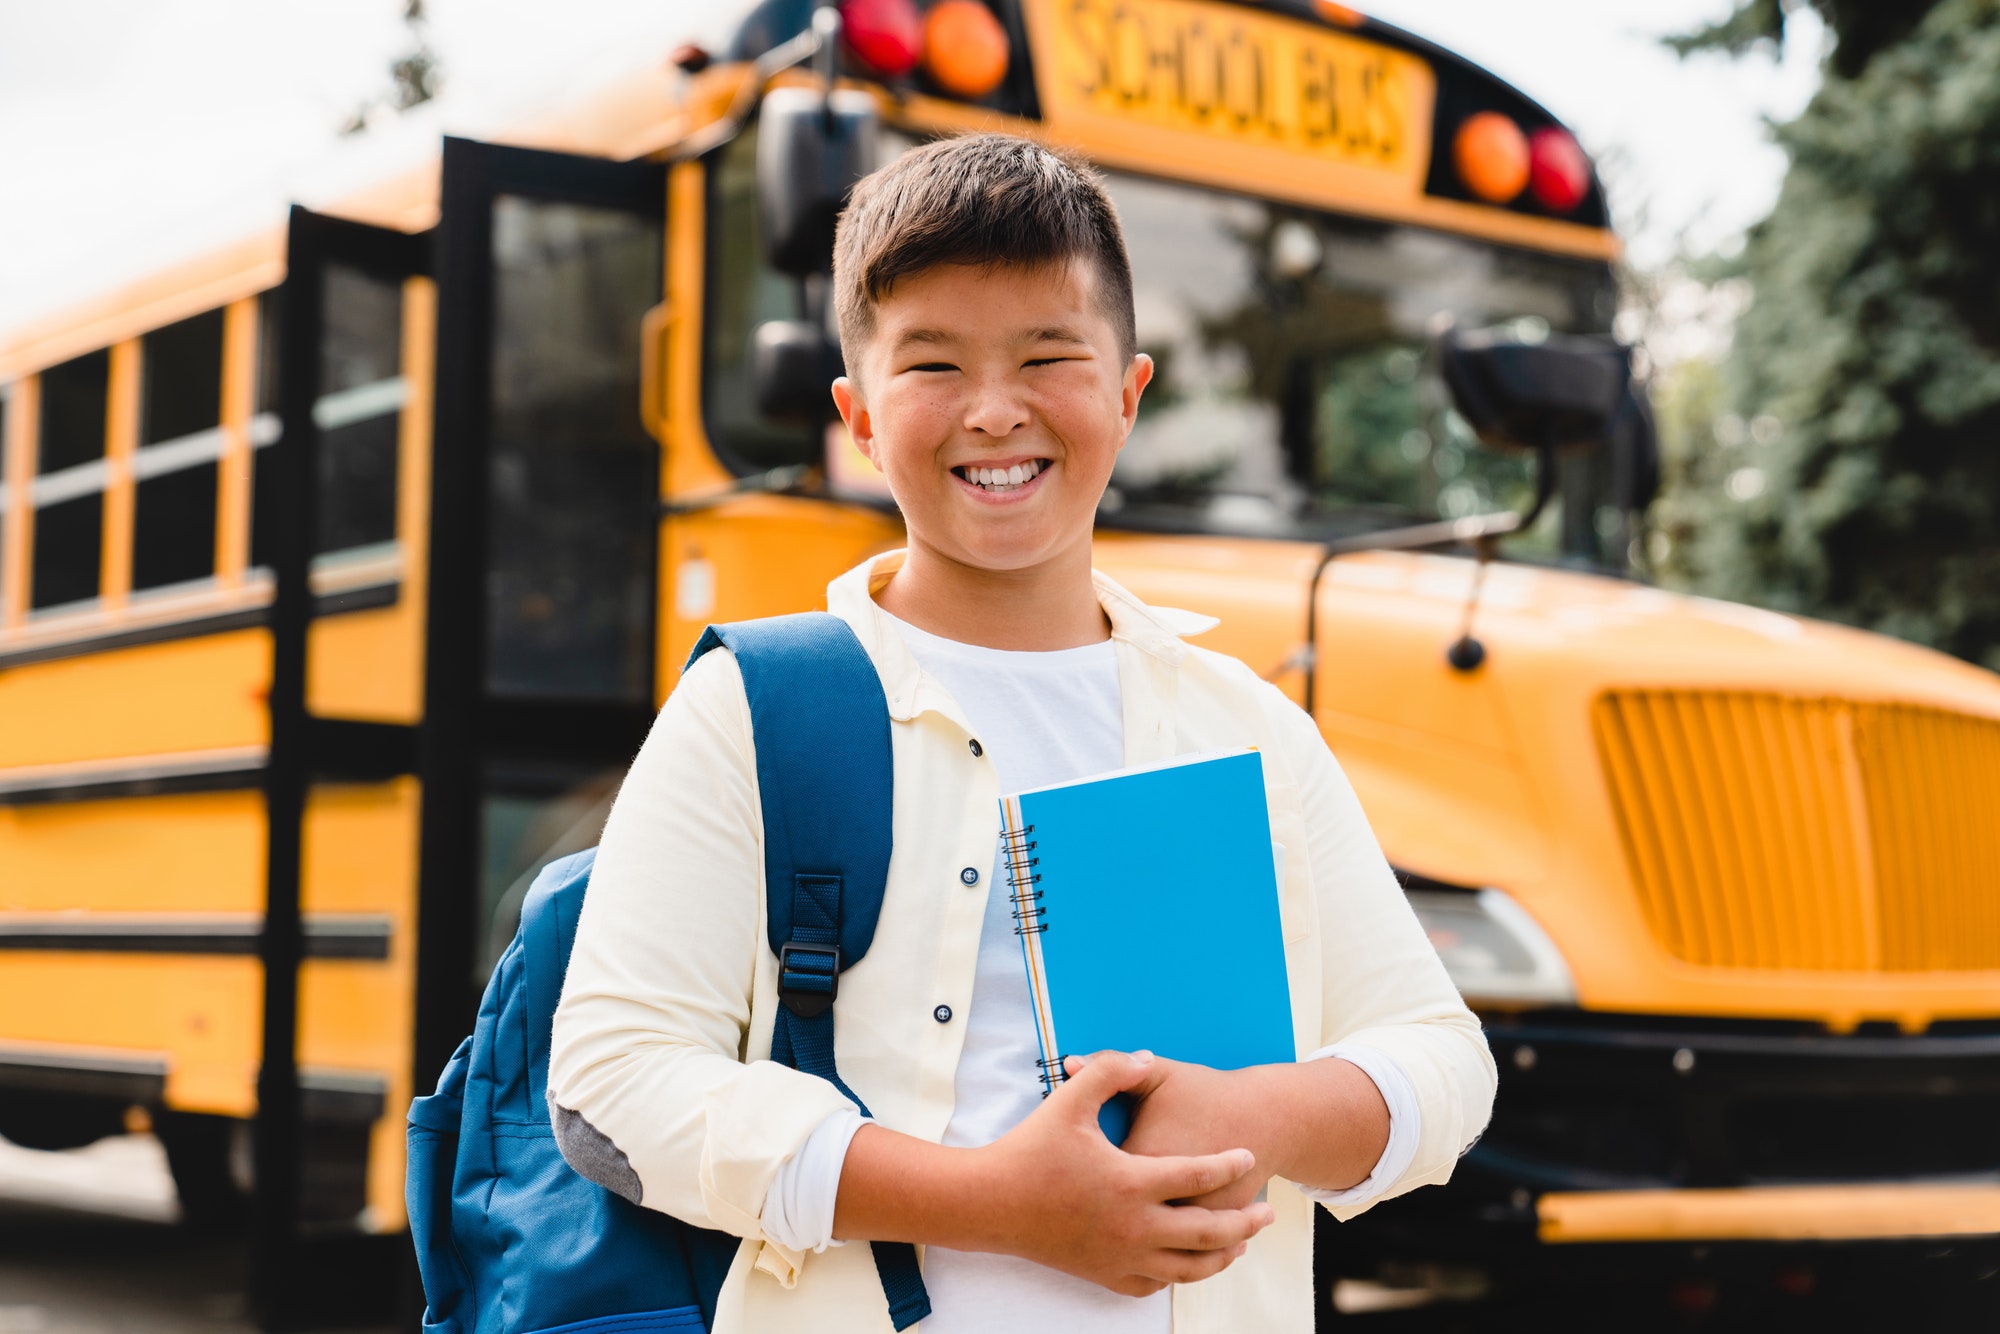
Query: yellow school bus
[342, 570]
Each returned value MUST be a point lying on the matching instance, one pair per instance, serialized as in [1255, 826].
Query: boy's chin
[1004, 555]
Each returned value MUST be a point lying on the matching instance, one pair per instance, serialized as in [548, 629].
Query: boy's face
[977, 377]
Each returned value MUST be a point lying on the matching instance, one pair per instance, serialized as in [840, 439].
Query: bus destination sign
[1154, 72]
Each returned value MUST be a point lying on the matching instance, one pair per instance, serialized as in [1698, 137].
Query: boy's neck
[1036, 610]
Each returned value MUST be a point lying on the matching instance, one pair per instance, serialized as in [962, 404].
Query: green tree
[413, 76]
[1857, 473]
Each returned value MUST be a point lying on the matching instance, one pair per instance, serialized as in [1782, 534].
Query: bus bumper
[1631, 1139]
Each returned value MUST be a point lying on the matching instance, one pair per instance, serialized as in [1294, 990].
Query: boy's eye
[933, 366]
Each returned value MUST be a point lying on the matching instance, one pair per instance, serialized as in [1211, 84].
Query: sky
[137, 132]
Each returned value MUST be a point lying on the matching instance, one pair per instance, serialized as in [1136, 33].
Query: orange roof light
[1491, 154]
[1340, 14]
[965, 48]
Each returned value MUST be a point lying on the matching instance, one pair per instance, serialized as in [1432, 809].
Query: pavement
[90, 1243]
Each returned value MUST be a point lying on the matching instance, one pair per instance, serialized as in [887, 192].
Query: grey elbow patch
[593, 1155]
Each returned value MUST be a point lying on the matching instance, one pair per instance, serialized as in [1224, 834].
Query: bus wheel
[208, 1156]
[37, 1120]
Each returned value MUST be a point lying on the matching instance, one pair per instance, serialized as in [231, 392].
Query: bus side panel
[761, 556]
[368, 665]
[202, 693]
[196, 852]
[160, 856]
[201, 1013]
[356, 1015]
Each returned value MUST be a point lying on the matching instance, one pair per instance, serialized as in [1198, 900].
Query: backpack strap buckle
[808, 978]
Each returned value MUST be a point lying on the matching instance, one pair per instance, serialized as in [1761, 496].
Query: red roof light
[1558, 171]
[885, 35]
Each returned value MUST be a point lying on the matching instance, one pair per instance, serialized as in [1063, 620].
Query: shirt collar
[1157, 631]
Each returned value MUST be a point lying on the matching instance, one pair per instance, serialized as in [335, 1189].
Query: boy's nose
[996, 412]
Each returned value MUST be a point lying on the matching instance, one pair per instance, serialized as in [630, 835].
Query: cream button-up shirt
[663, 1036]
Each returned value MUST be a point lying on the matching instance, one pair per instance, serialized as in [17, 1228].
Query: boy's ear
[1138, 374]
[854, 412]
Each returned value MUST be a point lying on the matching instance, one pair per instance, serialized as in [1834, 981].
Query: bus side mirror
[793, 364]
[1635, 453]
[812, 146]
[1561, 392]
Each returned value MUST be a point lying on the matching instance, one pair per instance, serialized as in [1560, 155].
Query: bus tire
[35, 1119]
[205, 1155]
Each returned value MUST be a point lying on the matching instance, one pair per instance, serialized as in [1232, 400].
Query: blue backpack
[510, 1239]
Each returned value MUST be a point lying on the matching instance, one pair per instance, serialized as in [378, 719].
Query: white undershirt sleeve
[1405, 1123]
[798, 1207]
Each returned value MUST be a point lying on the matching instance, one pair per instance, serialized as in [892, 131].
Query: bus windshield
[1291, 396]
[1291, 392]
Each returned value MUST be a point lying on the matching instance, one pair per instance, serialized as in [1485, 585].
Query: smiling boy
[985, 308]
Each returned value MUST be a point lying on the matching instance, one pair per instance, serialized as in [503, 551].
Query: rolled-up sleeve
[648, 1063]
[1384, 986]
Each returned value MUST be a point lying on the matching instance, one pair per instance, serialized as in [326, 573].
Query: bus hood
[1710, 807]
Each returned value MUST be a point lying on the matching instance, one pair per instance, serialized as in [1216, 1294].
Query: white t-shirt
[1043, 718]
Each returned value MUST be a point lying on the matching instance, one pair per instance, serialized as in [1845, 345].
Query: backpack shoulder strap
[820, 723]
[821, 727]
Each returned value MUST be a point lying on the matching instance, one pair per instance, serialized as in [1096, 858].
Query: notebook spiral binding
[1030, 917]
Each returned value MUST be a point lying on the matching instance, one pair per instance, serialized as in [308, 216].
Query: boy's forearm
[1324, 1122]
[896, 1187]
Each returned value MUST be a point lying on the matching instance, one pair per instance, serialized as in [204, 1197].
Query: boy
[985, 308]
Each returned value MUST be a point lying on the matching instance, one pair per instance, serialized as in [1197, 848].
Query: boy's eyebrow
[927, 337]
[1052, 333]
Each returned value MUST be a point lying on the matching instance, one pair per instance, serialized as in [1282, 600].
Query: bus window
[180, 441]
[574, 476]
[69, 482]
[532, 816]
[361, 396]
[743, 292]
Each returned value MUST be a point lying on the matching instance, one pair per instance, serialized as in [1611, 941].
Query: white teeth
[1004, 479]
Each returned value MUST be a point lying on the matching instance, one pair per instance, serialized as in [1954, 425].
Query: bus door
[337, 519]
[540, 642]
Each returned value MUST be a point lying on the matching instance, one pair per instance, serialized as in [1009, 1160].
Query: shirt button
[942, 1014]
[976, 749]
[970, 875]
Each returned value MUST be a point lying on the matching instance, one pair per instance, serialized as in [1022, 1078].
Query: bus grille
[1765, 831]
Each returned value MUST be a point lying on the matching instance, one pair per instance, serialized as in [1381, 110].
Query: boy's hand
[1055, 1191]
[1106, 1215]
[1191, 1109]
[1320, 1123]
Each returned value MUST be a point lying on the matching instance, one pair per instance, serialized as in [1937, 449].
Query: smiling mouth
[999, 481]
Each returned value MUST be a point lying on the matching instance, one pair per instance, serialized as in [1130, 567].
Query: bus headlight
[1493, 950]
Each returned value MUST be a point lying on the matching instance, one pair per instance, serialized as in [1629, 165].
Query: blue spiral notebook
[1146, 902]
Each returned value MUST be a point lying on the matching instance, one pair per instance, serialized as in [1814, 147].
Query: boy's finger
[1185, 1178]
[1102, 1075]
[1187, 1268]
[1192, 1228]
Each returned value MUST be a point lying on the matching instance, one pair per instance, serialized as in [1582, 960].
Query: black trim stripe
[324, 1095]
[140, 1079]
[346, 751]
[236, 767]
[326, 604]
[330, 1095]
[326, 936]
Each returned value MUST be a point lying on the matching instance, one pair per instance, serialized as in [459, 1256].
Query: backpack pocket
[433, 1152]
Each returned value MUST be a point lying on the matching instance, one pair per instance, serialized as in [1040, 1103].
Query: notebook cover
[1157, 925]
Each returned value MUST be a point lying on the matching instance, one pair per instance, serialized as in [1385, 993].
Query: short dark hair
[986, 200]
